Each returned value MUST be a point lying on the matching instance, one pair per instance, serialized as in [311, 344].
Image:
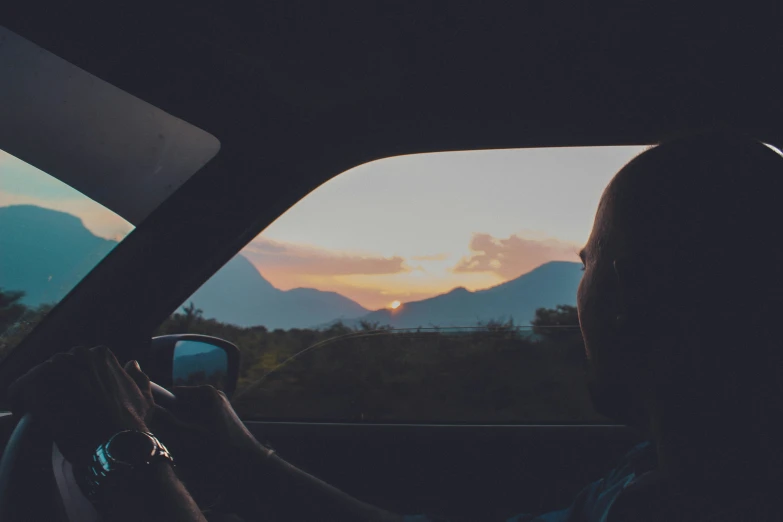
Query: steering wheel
[26, 467]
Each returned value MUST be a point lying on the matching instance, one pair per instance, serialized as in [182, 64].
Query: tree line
[496, 372]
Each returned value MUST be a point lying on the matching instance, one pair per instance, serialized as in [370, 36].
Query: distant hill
[549, 285]
[238, 294]
[46, 253]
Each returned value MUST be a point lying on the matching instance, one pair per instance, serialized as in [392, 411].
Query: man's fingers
[23, 390]
[106, 369]
[79, 351]
[165, 424]
[16, 399]
[133, 370]
[132, 366]
[62, 367]
[62, 358]
[66, 362]
[102, 353]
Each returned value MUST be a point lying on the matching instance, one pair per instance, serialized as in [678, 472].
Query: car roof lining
[116, 149]
[627, 73]
[381, 80]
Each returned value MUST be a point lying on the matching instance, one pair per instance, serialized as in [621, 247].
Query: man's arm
[160, 497]
[288, 493]
[261, 484]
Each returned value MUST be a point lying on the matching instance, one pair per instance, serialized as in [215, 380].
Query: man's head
[684, 277]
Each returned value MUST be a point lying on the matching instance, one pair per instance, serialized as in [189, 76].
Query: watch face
[131, 447]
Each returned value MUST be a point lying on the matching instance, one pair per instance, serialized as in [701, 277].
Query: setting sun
[395, 305]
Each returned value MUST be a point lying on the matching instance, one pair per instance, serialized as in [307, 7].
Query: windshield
[51, 236]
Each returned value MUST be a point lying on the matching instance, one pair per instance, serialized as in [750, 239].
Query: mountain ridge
[45, 253]
[551, 284]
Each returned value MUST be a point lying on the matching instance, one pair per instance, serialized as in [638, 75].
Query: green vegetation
[16, 319]
[494, 373]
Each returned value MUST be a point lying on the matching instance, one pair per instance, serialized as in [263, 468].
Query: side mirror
[194, 360]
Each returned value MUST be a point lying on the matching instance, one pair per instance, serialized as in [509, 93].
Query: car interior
[260, 103]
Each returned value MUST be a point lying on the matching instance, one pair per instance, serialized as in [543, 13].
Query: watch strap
[103, 468]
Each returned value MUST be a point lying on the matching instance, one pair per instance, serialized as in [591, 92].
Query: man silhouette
[679, 306]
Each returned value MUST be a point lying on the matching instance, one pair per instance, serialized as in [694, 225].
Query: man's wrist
[261, 457]
[254, 493]
[127, 456]
[99, 435]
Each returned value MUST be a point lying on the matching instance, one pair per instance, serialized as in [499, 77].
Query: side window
[111, 159]
[431, 288]
[51, 236]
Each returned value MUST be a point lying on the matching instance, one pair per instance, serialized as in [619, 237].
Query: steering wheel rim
[30, 442]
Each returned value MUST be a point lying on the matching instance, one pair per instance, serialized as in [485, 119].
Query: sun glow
[394, 305]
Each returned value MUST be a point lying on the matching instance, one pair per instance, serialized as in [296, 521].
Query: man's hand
[208, 410]
[84, 397]
[216, 453]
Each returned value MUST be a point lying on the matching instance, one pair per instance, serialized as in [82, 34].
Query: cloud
[514, 256]
[264, 246]
[278, 257]
[289, 265]
[433, 257]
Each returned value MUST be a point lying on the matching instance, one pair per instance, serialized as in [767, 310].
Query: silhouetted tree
[11, 310]
[557, 322]
[192, 314]
[493, 373]
[560, 327]
[17, 320]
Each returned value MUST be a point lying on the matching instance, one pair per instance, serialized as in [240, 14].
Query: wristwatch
[127, 454]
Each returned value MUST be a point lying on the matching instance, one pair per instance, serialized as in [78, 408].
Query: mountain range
[240, 295]
[547, 286]
[45, 253]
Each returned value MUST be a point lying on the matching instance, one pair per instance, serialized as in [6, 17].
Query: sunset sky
[403, 228]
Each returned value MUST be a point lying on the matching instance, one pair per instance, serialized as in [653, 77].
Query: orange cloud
[433, 257]
[273, 256]
[376, 281]
[512, 257]
[371, 280]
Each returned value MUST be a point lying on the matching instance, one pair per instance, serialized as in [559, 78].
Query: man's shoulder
[639, 459]
[595, 500]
